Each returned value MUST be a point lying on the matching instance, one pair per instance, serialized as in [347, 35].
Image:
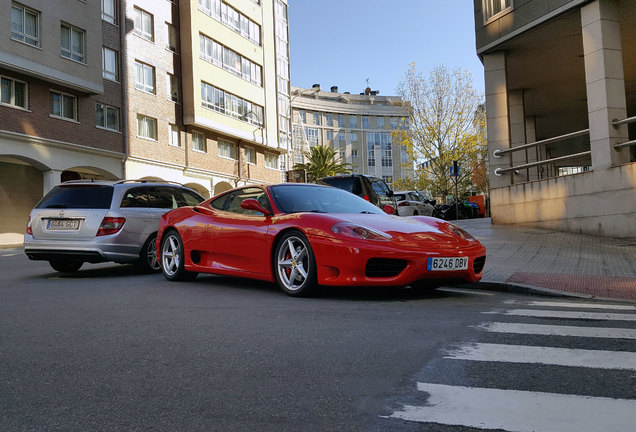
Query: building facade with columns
[358, 126]
[560, 79]
[191, 91]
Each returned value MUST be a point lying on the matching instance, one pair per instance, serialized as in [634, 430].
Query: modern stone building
[192, 91]
[560, 79]
[359, 126]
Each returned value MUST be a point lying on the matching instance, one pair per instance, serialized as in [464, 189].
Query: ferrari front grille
[384, 267]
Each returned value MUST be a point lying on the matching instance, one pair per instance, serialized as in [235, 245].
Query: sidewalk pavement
[554, 262]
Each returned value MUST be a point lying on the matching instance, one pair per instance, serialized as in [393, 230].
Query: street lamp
[304, 144]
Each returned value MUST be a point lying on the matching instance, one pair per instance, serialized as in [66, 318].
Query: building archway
[221, 187]
[205, 193]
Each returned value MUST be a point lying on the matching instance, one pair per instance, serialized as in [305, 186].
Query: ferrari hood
[415, 232]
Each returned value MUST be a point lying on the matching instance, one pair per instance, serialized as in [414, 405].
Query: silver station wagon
[99, 221]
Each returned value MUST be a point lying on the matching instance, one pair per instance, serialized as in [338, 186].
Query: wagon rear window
[78, 197]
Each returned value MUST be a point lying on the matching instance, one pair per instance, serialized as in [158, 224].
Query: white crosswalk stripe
[570, 315]
[519, 410]
[554, 330]
[545, 355]
[578, 305]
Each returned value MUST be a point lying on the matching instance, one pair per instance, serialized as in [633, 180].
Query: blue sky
[344, 42]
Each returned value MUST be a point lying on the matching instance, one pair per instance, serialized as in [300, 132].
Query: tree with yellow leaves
[446, 123]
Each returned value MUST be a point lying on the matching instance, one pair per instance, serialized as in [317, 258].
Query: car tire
[295, 265]
[148, 261]
[172, 258]
[64, 266]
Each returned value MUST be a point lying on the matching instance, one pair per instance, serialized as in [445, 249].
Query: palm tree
[322, 162]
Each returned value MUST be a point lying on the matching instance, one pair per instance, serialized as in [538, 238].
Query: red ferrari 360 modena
[305, 235]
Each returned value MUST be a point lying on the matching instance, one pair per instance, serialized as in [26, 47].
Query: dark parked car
[370, 188]
[99, 221]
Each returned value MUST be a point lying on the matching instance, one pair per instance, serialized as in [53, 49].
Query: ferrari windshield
[294, 198]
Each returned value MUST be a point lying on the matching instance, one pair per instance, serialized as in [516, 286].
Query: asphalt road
[110, 350]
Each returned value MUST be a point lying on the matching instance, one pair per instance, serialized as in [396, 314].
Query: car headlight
[459, 232]
[350, 229]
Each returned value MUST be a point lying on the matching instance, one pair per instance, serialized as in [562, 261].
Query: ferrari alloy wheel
[172, 257]
[295, 265]
[148, 261]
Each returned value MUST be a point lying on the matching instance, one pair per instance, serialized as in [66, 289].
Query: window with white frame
[13, 92]
[146, 127]
[341, 121]
[25, 25]
[250, 155]
[223, 57]
[73, 42]
[380, 121]
[271, 161]
[316, 119]
[107, 117]
[330, 135]
[227, 150]
[329, 119]
[144, 26]
[365, 122]
[353, 121]
[173, 87]
[232, 19]
[354, 136]
[63, 106]
[354, 154]
[199, 142]
[144, 77]
[175, 136]
[108, 11]
[232, 105]
[494, 8]
[110, 69]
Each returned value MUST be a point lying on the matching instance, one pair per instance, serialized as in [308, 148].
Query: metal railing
[616, 124]
[515, 169]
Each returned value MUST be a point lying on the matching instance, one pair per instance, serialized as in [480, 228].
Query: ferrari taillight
[110, 225]
[366, 197]
[29, 230]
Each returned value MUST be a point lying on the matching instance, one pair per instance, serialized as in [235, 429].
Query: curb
[540, 291]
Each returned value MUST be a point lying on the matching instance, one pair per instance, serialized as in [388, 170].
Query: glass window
[78, 196]
[329, 119]
[25, 25]
[143, 22]
[227, 150]
[107, 117]
[250, 155]
[173, 88]
[316, 118]
[365, 122]
[380, 121]
[353, 121]
[144, 77]
[108, 11]
[63, 106]
[73, 41]
[109, 64]
[172, 37]
[330, 135]
[13, 92]
[354, 136]
[302, 116]
[271, 161]
[146, 127]
[494, 7]
[199, 142]
[231, 202]
[174, 139]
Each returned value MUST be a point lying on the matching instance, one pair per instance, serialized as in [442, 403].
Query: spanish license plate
[62, 224]
[447, 264]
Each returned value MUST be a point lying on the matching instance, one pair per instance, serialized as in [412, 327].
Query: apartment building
[60, 109]
[359, 126]
[204, 91]
[560, 105]
[192, 91]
